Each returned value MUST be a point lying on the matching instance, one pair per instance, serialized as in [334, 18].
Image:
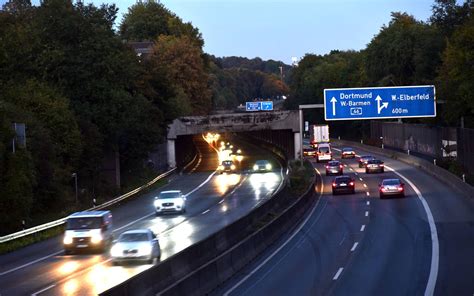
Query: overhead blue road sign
[267, 106]
[259, 106]
[252, 106]
[379, 102]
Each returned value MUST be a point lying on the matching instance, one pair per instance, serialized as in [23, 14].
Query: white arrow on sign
[333, 101]
[380, 107]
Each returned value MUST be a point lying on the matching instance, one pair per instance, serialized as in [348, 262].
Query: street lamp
[74, 175]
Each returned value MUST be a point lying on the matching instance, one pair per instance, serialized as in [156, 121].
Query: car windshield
[333, 163]
[133, 237]
[261, 162]
[375, 161]
[366, 158]
[227, 162]
[84, 223]
[324, 149]
[165, 195]
[391, 182]
[343, 180]
[347, 150]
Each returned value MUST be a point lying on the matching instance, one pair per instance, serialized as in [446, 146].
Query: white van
[324, 152]
[88, 230]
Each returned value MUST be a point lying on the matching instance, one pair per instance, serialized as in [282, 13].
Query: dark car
[392, 187]
[374, 166]
[347, 152]
[364, 159]
[227, 166]
[343, 184]
[334, 167]
[310, 151]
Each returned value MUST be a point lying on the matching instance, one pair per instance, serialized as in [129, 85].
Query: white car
[170, 201]
[136, 245]
[323, 152]
[262, 166]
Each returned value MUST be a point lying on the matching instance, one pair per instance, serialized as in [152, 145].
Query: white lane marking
[368, 203]
[343, 238]
[368, 194]
[285, 243]
[205, 212]
[338, 273]
[365, 185]
[430, 286]
[357, 174]
[30, 263]
[221, 201]
[354, 247]
[361, 179]
[201, 185]
[362, 228]
[367, 213]
[41, 291]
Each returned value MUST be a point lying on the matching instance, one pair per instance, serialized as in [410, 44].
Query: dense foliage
[404, 52]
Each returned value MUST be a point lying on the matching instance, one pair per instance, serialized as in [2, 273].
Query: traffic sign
[267, 106]
[259, 106]
[379, 102]
[252, 106]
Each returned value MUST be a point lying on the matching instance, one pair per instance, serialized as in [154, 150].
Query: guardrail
[61, 221]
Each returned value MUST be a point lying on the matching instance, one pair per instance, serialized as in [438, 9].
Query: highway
[214, 201]
[358, 244]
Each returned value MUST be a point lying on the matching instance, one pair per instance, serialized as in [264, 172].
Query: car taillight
[382, 189]
[381, 165]
[334, 184]
[340, 166]
[351, 183]
[400, 188]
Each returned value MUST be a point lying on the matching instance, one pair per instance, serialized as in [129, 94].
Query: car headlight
[179, 202]
[220, 167]
[232, 167]
[268, 166]
[116, 251]
[156, 203]
[144, 250]
[96, 238]
[255, 167]
[67, 240]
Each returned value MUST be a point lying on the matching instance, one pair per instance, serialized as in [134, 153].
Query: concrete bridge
[279, 121]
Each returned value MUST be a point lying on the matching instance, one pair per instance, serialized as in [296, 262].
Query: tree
[175, 78]
[406, 52]
[448, 16]
[150, 19]
[456, 77]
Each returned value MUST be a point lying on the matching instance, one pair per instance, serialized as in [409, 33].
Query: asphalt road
[358, 244]
[214, 201]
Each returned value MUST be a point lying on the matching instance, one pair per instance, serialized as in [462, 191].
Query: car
[88, 230]
[364, 159]
[262, 165]
[347, 152]
[227, 166]
[323, 152]
[374, 165]
[391, 187]
[343, 184]
[170, 201]
[310, 151]
[334, 167]
[136, 245]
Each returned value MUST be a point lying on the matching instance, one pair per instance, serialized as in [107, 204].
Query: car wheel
[68, 252]
[382, 170]
[353, 191]
[367, 171]
[334, 192]
[115, 263]
[382, 196]
[158, 214]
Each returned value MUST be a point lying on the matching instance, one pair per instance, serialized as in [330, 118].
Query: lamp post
[74, 175]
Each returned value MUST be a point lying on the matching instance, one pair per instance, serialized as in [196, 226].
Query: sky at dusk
[282, 29]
